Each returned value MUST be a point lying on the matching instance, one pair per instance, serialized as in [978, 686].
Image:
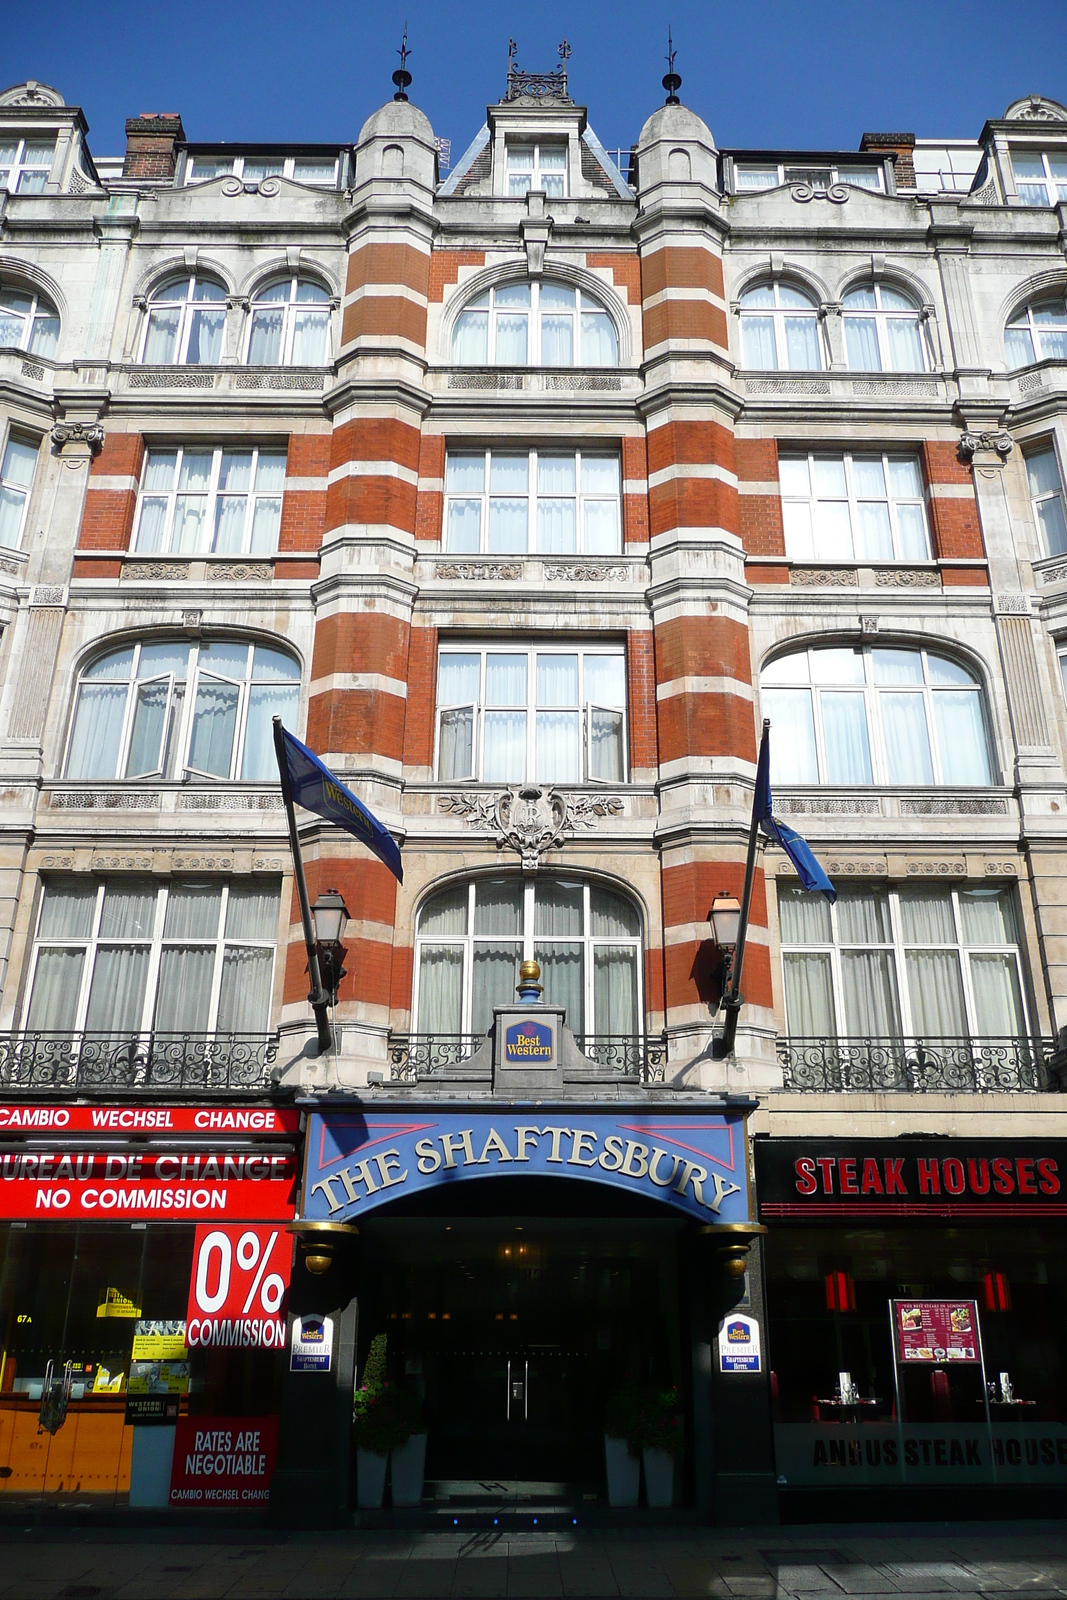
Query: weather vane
[671, 82]
[563, 52]
[402, 77]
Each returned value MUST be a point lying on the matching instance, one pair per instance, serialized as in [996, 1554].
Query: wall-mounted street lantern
[725, 919]
[329, 915]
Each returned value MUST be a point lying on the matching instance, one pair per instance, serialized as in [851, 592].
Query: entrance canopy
[357, 1162]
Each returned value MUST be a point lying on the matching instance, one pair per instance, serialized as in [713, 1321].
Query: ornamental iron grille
[917, 1066]
[543, 88]
[58, 1063]
[414, 1057]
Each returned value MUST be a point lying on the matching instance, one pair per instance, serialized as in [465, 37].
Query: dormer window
[533, 325]
[1041, 180]
[749, 176]
[537, 166]
[25, 164]
[318, 170]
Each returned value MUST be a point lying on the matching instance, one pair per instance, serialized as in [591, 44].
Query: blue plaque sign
[357, 1162]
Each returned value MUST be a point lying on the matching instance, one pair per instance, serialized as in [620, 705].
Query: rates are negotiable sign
[695, 1163]
[223, 1461]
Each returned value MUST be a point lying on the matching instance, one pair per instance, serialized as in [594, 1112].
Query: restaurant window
[537, 502]
[196, 501]
[185, 324]
[164, 709]
[854, 715]
[553, 714]
[473, 936]
[536, 324]
[136, 955]
[868, 507]
[917, 963]
[779, 329]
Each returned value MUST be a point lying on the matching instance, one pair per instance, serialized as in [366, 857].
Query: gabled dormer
[43, 146]
[1025, 155]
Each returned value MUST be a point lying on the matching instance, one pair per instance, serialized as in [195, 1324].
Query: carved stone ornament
[907, 578]
[936, 869]
[90, 434]
[824, 577]
[837, 193]
[1035, 108]
[153, 571]
[998, 440]
[1001, 869]
[531, 820]
[241, 571]
[580, 572]
[465, 571]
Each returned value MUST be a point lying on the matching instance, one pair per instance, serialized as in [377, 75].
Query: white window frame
[880, 316]
[11, 176]
[778, 313]
[94, 940]
[289, 308]
[854, 500]
[1023, 323]
[527, 940]
[537, 177]
[41, 310]
[10, 486]
[583, 303]
[187, 308]
[252, 496]
[581, 500]
[1049, 183]
[286, 166]
[798, 173]
[584, 709]
[870, 691]
[173, 765]
[1046, 447]
[898, 948]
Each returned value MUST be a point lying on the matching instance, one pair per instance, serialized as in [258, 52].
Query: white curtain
[498, 907]
[935, 990]
[266, 523]
[557, 730]
[555, 527]
[446, 913]
[116, 998]
[244, 996]
[600, 348]
[68, 911]
[456, 750]
[905, 344]
[757, 339]
[601, 520]
[874, 535]
[496, 972]
[612, 915]
[961, 737]
[802, 344]
[56, 988]
[804, 918]
[987, 916]
[149, 727]
[863, 917]
[926, 917]
[562, 974]
[266, 700]
[870, 994]
[504, 759]
[162, 343]
[12, 502]
[214, 726]
[252, 911]
[615, 990]
[907, 743]
[861, 344]
[205, 337]
[464, 527]
[809, 994]
[912, 537]
[229, 524]
[558, 909]
[557, 341]
[470, 342]
[998, 1003]
[844, 724]
[265, 345]
[183, 999]
[605, 745]
[605, 680]
[441, 989]
[511, 339]
[193, 911]
[310, 334]
[832, 530]
[507, 526]
[97, 736]
[793, 754]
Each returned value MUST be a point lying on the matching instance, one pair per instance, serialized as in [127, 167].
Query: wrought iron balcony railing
[918, 1066]
[162, 1063]
[414, 1057]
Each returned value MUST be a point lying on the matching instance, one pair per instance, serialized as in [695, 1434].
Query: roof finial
[563, 51]
[671, 82]
[402, 77]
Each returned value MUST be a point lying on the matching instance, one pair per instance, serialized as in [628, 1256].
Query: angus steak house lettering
[910, 1177]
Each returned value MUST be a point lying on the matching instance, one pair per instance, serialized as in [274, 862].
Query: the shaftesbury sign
[695, 1163]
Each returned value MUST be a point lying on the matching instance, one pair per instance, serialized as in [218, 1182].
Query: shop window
[779, 329]
[185, 324]
[883, 330]
[131, 956]
[473, 936]
[853, 507]
[196, 501]
[858, 715]
[547, 502]
[554, 714]
[918, 963]
[536, 324]
[167, 709]
[290, 325]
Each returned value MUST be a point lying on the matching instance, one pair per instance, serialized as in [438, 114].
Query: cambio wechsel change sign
[694, 1163]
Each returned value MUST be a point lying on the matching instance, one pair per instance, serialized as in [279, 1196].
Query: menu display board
[936, 1330]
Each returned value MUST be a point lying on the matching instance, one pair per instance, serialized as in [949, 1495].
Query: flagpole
[319, 1003]
[731, 1000]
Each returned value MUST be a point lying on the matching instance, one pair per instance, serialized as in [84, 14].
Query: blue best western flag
[316, 788]
[809, 871]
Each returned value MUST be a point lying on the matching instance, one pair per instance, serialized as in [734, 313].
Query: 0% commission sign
[237, 1288]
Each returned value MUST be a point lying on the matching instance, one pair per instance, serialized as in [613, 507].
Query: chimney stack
[898, 145]
[151, 144]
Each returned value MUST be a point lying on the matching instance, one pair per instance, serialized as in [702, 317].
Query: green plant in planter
[383, 1416]
[647, 1418]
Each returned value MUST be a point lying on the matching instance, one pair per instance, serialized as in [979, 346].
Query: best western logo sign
[528, 1041]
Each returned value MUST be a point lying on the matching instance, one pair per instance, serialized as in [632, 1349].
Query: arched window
[472, 937]
[290, 325]
[165, 708]
[856, 715]
[1037, 333]
[882, 332]
[779, 329]
[186, 322]
[28, 321]
[538, 324]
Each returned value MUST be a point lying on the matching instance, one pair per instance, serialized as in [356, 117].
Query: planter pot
[370, 1478]
[623, 1472]
[659, 1476]
[408, 1470]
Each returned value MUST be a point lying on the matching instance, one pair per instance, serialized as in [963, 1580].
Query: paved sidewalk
[812, 1563]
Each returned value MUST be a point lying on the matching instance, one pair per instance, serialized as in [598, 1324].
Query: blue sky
[797, 73]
